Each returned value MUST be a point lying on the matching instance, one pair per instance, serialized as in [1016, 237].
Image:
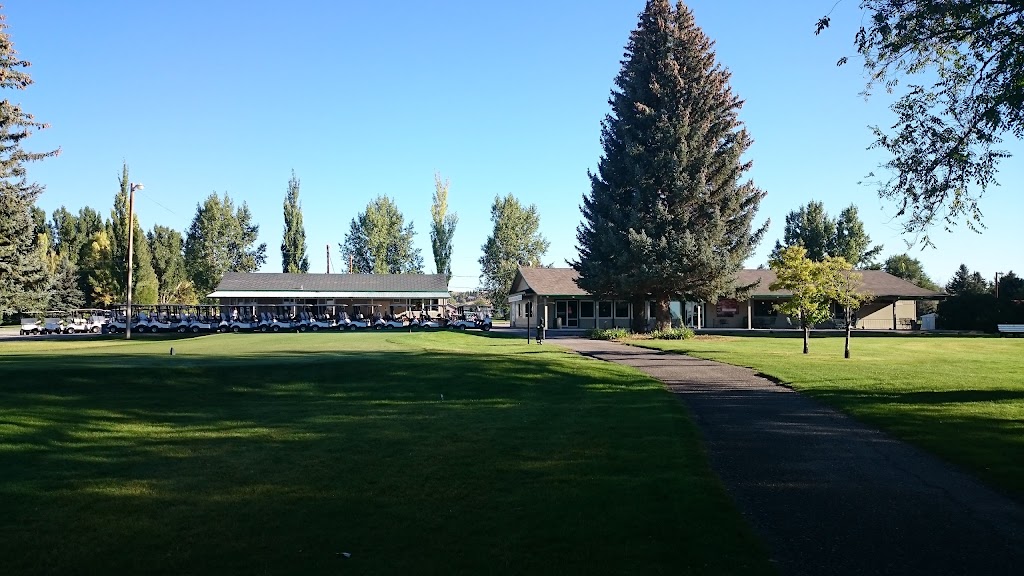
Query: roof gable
[548, 281]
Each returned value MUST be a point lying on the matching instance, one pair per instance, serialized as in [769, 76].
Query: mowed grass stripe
[960, 398]
[275, 453]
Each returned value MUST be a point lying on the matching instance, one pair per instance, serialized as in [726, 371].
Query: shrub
[673, 334]
[607, 333]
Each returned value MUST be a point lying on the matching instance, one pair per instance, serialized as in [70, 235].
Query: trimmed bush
[607, 333]
[673, 334]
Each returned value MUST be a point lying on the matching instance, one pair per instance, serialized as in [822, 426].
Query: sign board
[515, 298]
[727, 307]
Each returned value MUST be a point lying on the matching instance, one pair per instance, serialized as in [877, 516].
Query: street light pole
[998, 274]
[132, 187]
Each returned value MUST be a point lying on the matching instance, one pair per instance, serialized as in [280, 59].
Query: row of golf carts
[199, 319]
[196, 319]
[79, 321]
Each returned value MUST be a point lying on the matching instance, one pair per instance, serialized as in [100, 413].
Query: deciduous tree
[145, 286]
[910, 269]
[810, 226]
[221, 239]
[958, 67]
[97, 260]
[670, 210]
[442, 228]
[379, 241]
[168, 260]
[845, 288]
[293, 246]
[23, 275]
[810, 284]
[515, 241]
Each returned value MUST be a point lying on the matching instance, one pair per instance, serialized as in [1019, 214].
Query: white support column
[749, 310]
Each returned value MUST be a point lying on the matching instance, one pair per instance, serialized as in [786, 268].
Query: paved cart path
[827, 494]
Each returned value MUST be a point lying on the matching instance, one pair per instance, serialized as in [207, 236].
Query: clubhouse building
[552, 294]
[365, 294]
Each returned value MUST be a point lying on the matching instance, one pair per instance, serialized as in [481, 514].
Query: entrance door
[568, 312]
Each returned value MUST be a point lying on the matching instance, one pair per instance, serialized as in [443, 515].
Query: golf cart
[466, 320]
[30, 325]
[163, 318]
[321, 320]
[389, 322]
[202, 319]
[54, 322]
[86, 320]
[275, 319]
[116, 323]
[428, 323]
[247, 320]
[345, 322]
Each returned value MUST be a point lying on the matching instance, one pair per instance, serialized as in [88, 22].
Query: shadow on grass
[151, 463]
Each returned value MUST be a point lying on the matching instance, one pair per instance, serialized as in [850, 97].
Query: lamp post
[998, 274]
[132, 187]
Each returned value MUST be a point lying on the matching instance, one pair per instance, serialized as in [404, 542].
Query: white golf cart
[275, 319]
[30, 325]
[53, 323]
[466, 320]
[86, 320]
[346, 322]
[247, 320]
[428, 323]
[321, 320]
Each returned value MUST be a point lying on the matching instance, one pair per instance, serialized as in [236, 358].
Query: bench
[1011, 329]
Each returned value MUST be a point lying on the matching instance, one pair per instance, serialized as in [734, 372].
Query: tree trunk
[662, 313]
[846, 352]
[638, 322]
[807, 331]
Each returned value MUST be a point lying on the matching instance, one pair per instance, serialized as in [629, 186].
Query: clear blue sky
[367, 98]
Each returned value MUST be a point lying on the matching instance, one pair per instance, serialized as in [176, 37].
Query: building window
[604, 309]
[652, 309]
[621, 309]
[587, 309]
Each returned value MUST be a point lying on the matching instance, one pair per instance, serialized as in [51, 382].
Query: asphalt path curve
[827, 494]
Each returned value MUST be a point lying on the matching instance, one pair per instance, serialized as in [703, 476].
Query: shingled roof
[562, 282]
[878, 283]
[235, 284]
[548, 281]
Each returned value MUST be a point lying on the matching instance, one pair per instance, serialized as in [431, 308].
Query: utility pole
[132, 187]
[998, 274]
[328, 258]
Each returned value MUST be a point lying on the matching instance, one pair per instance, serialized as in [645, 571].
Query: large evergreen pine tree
[65, 293]
[24, 277]
[668, 214]
[293, 245]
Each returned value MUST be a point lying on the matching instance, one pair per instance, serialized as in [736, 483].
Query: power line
[151, 199]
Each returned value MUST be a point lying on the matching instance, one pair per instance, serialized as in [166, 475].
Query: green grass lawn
[274, 454]
[960, 398]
